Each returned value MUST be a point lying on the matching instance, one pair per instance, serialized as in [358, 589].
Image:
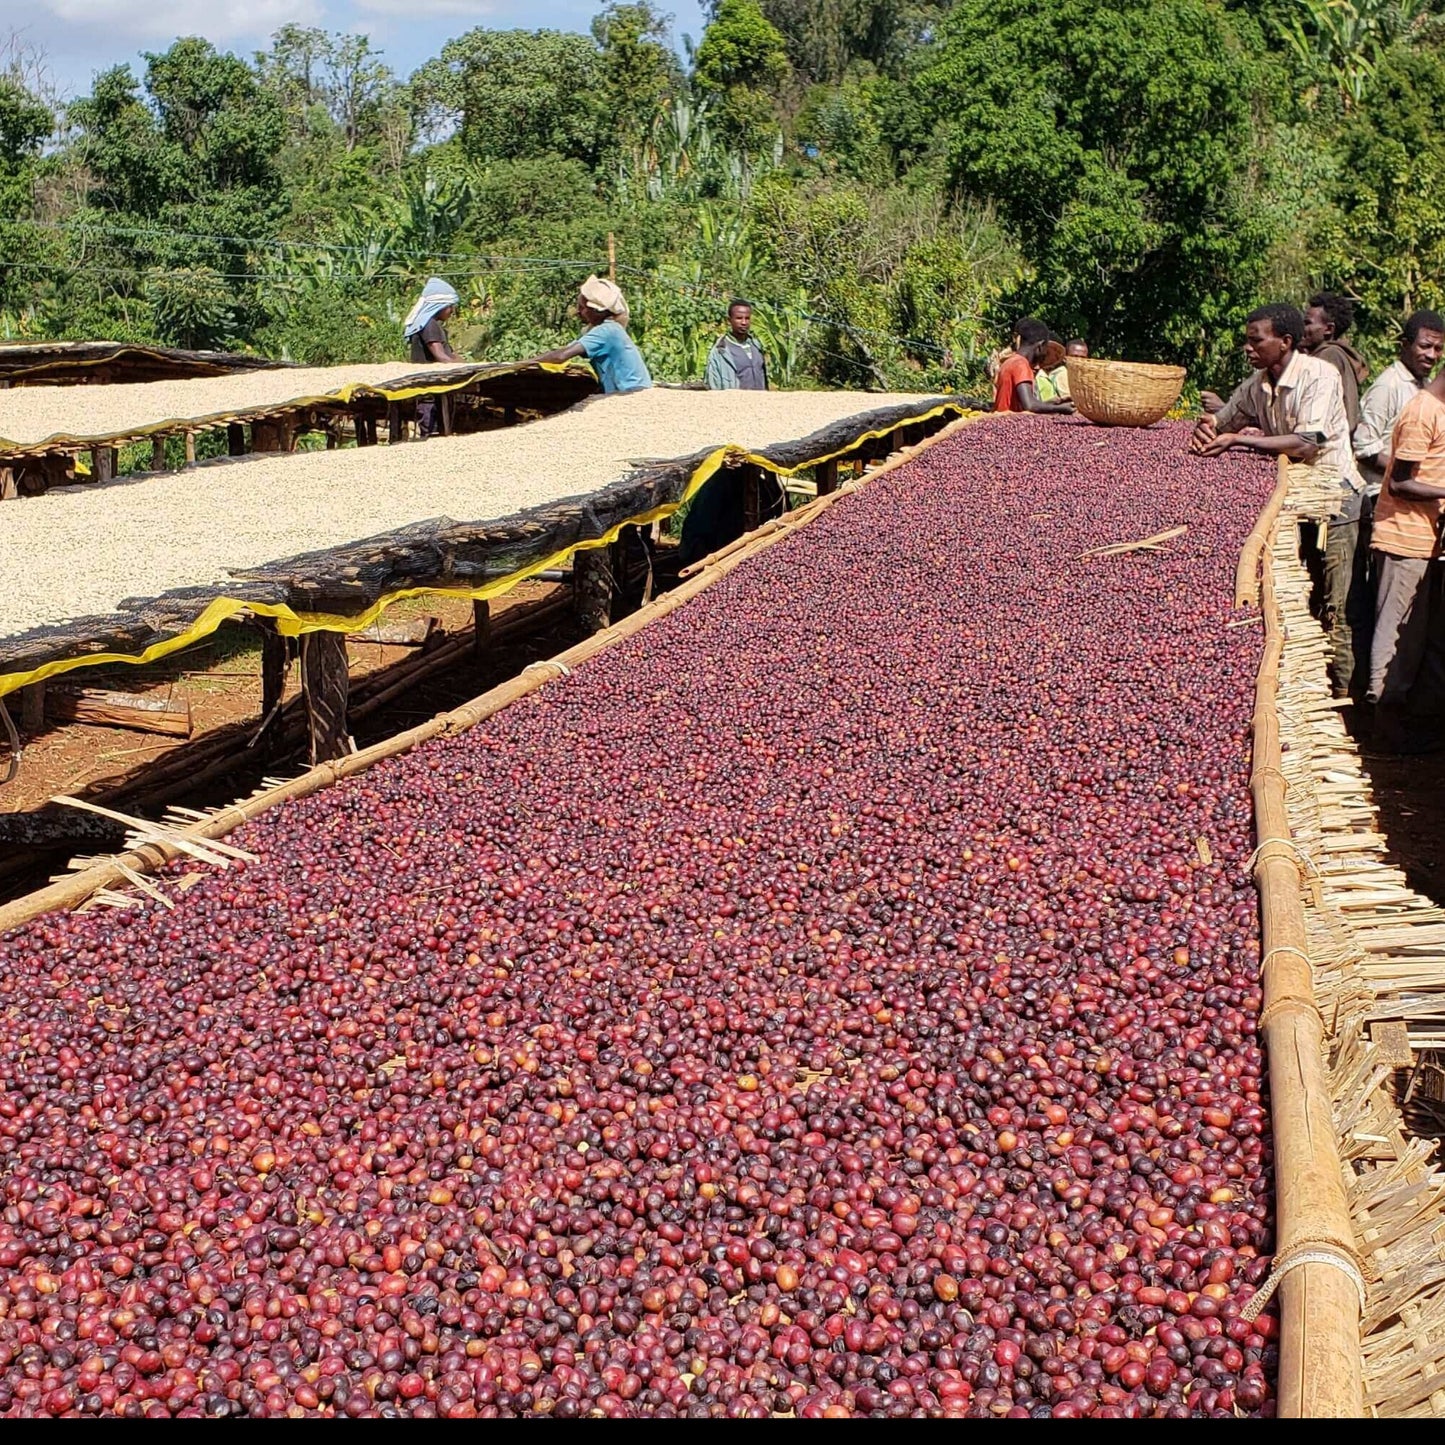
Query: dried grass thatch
[1378, 954]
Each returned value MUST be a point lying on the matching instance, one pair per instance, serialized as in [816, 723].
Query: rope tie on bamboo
[1310, 1252]
[1267, 769]
[560, 668]
[1303, 860]
[1280, 1005]
[1284, 948]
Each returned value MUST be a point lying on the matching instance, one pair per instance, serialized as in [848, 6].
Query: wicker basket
[1123, 393]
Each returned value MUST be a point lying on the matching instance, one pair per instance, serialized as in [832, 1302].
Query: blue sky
[81, 37]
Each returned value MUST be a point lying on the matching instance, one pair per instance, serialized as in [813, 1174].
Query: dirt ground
[1410, 794]
[221, 680]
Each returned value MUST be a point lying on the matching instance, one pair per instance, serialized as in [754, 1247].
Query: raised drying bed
[129, 570]
[37, 422]
[77, 363]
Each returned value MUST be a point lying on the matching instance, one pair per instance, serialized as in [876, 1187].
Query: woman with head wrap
[425, 331]
[615, 358]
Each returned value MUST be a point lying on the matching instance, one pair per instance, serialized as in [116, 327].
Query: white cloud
[223, 21]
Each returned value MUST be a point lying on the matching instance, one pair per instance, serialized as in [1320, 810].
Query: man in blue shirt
[602, 309]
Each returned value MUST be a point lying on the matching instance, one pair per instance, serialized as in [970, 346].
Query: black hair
[1418, 321]
[1284, 319]
[1077, 341]
[1030, 330]
[736, 302]
[1340, 310]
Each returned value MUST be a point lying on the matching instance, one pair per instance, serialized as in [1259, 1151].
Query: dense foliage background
[892, 182]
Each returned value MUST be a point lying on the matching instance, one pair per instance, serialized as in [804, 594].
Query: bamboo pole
[146, 858]
[1320, 1359]
[1251, 556]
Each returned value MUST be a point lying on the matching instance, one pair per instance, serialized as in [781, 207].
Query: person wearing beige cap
[602, 309]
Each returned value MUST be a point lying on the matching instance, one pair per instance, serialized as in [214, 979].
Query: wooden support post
[611, 256]
[158, 454]
[190, 448]
[395, 426]
[332, 439]
[828, 477]
[482, 620]
[444, 412]
[509, 415]
[268, 436]
[8, 489]
[32, 708]
[752, 485]
[592, 587]
[275, 654]
[102, 464]
[325, 684]
[235, 439]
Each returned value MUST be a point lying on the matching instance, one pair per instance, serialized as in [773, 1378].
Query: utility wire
[482, 265]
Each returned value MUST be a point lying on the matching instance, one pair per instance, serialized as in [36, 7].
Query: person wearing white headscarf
[602, 309]
[425, 331]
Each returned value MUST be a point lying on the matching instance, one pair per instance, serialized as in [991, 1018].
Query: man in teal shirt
[602, 309]
[736, 362]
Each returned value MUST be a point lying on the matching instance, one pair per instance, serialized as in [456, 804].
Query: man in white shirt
[1421, 345]
[1294, 406]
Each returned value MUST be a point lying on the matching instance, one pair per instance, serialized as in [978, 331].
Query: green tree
[25, 124]
[184, 177]
[513, 93]
[640, 73]
[1114, 137]
[823, 37]
[1388, 244]
[739, 67]
[740, 47]
[1346, 39]
[295, 70]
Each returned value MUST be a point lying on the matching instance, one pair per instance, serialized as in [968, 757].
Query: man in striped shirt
[1294, 406]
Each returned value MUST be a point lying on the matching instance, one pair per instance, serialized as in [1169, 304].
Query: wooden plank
[145, 713]
[407, 632]
[1392, 1038]
[325, 685]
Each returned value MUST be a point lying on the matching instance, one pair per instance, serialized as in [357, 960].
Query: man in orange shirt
[1407, 657]
[1014, 388]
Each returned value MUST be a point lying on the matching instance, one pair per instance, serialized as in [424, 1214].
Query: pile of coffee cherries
[840, 999]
